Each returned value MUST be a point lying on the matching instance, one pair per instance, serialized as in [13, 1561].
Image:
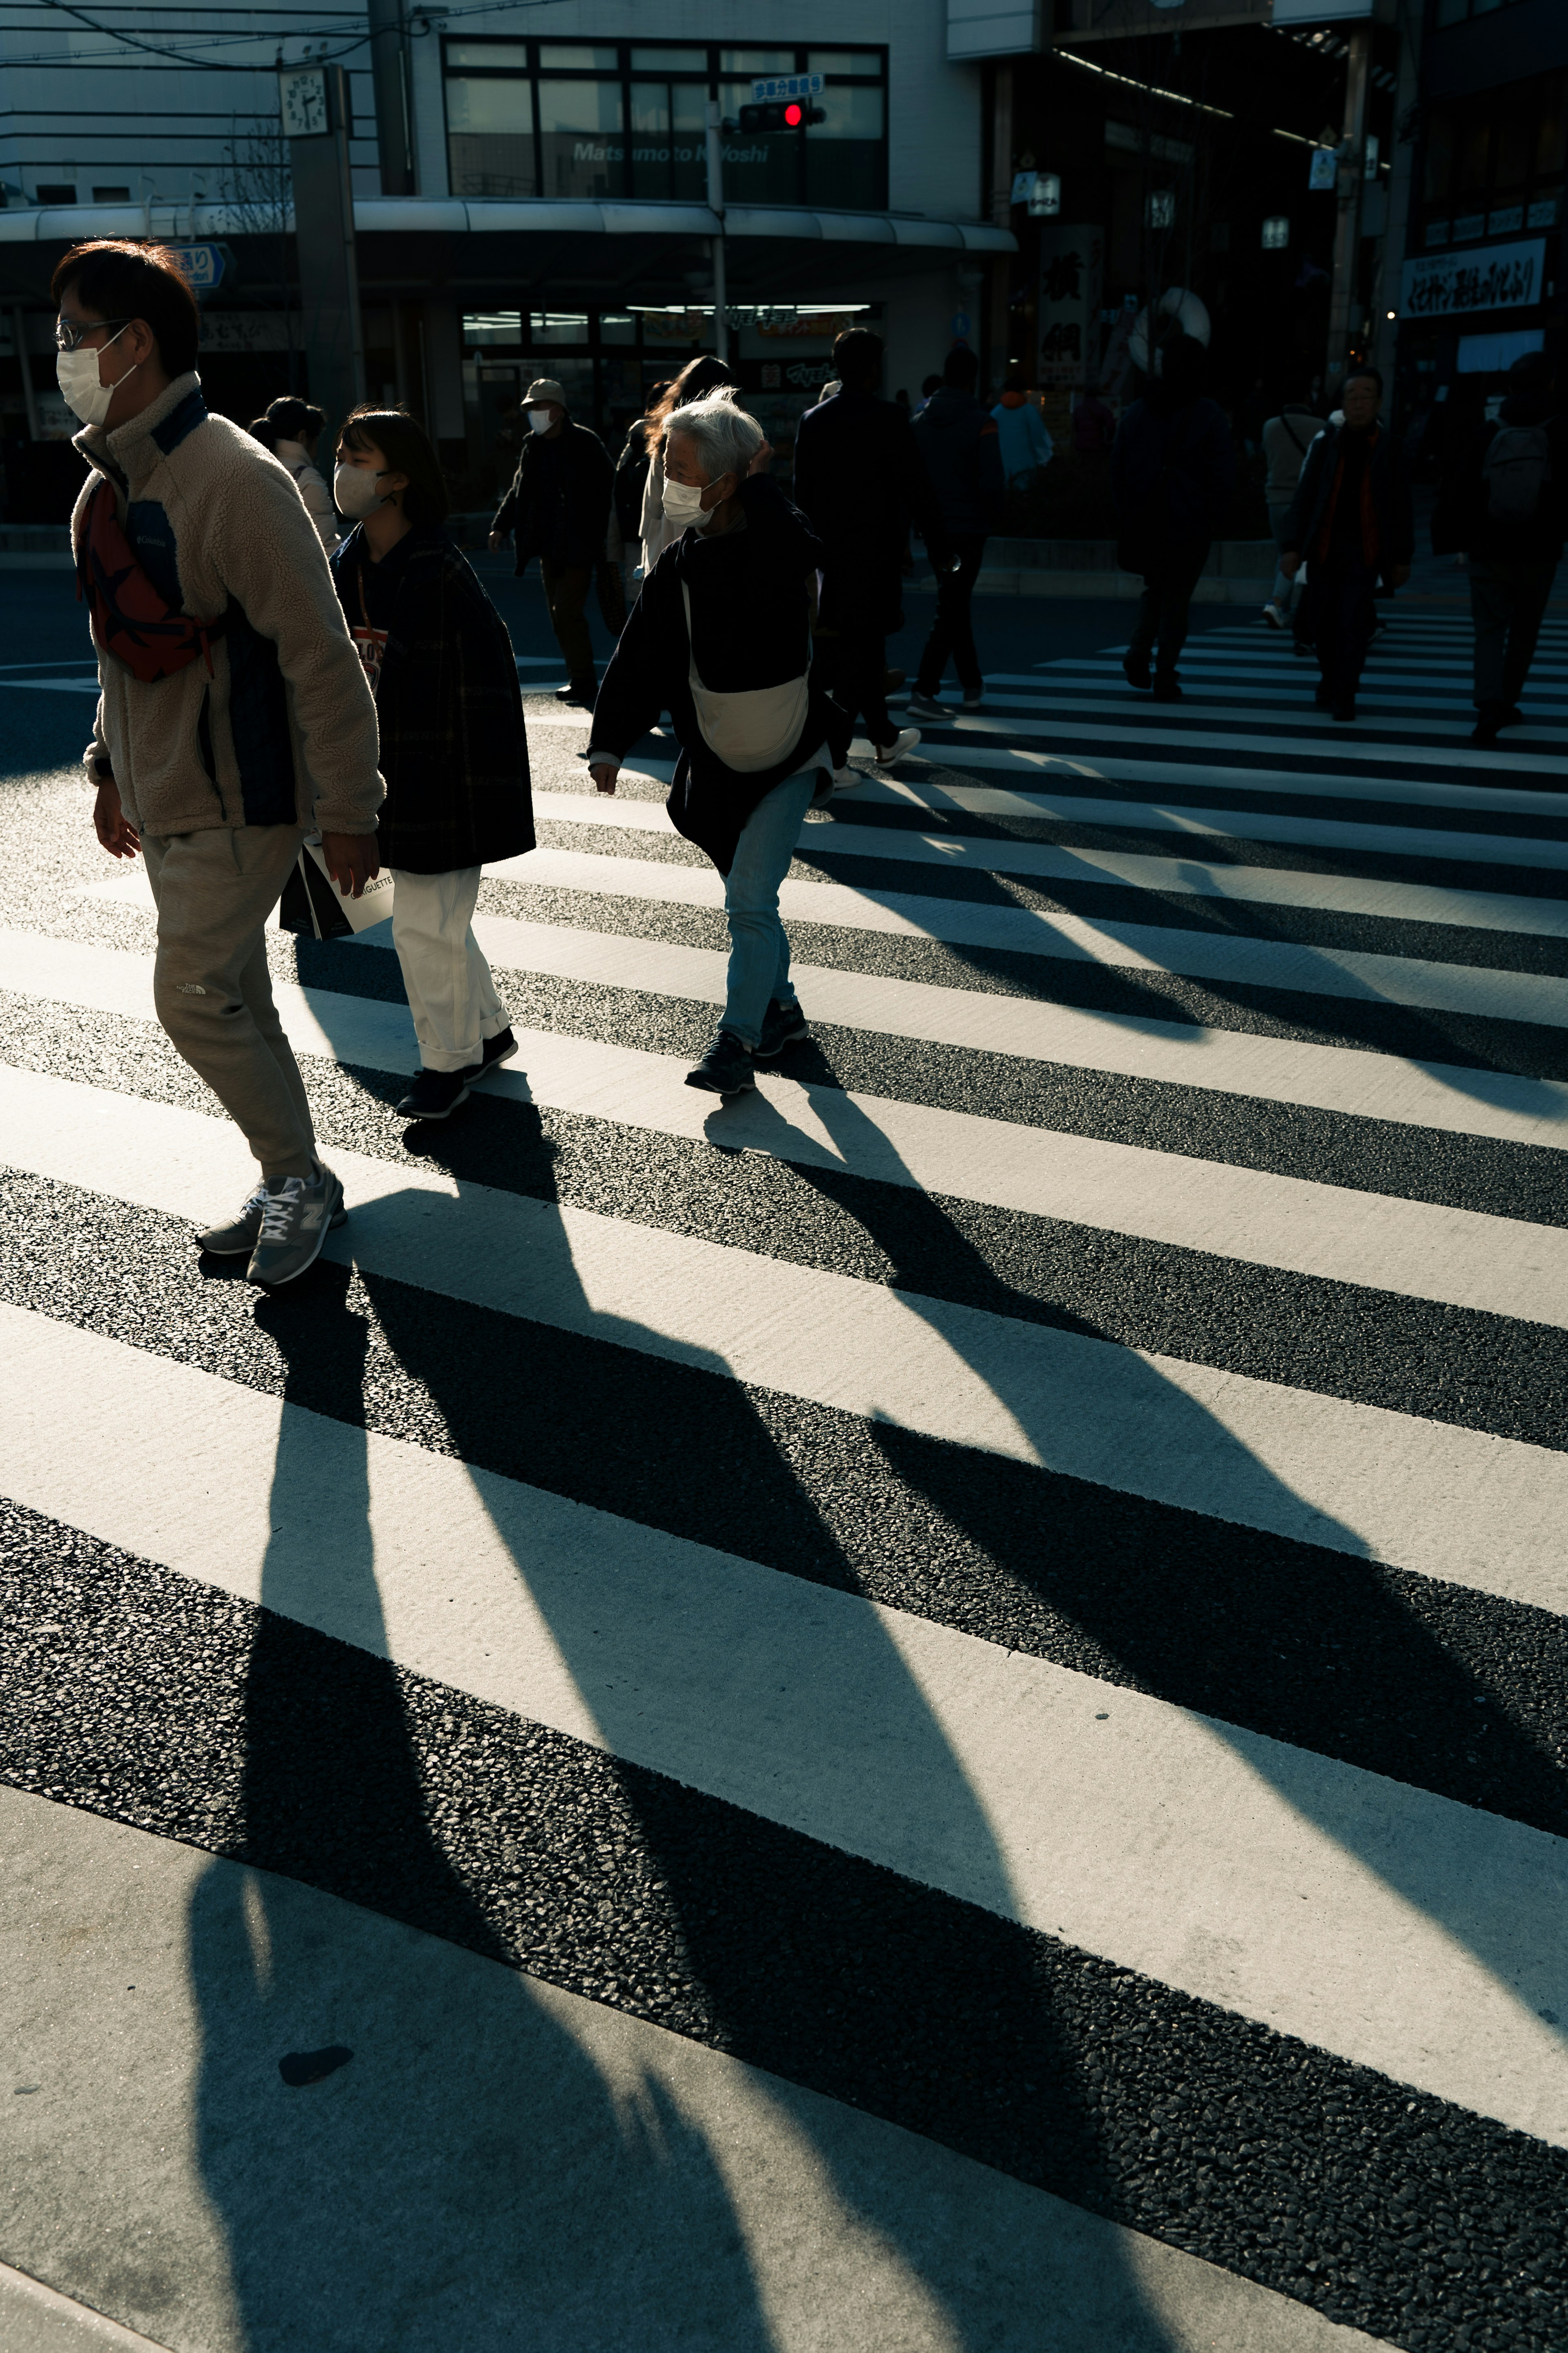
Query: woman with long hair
[698, 378]
[453, 751]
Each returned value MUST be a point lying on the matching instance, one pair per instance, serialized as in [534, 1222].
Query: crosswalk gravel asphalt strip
[1057, 1644]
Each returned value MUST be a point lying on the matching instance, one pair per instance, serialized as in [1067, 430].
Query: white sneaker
[904, 741]
[1273, 615]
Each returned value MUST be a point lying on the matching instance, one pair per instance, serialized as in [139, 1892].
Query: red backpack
[130, 619]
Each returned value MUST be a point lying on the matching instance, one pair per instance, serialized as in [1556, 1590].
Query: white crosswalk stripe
[1077, 1457]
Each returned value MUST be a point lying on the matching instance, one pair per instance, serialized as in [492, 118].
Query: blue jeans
[759, 951]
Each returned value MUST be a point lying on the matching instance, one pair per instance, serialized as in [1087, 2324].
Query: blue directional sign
[202, 265]
[787, 86]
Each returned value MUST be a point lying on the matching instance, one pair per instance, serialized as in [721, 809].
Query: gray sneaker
[238, 1237]
[295, 1221]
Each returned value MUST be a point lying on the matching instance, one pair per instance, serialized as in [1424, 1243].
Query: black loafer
[436, 1095]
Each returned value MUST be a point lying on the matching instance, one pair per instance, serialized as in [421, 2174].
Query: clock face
[303, 95]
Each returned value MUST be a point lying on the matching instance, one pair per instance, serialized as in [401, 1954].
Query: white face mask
[683, 505]
[541, 420]
[81, 387]
[356, 491]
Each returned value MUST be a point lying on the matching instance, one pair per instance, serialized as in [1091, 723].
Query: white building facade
[531, 194]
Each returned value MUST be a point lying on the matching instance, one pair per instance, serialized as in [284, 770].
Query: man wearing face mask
[558, 509]
[233, 714]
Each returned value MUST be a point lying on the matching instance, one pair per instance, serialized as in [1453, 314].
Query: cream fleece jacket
[284, 731]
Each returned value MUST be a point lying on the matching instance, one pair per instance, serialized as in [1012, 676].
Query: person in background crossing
[1173, 470]
[453, 751]
[218, 745]
[962, 456]
[720, 638]
[1025, 443]
[698, 378]
[297, 429]
[860, 482]
[1353, 519]
[1286, 441]
[558, 509]
[1505, 505]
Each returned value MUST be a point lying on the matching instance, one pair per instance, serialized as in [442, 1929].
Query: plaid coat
[453, 750]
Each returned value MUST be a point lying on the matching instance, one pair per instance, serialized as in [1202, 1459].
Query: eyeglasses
[71, 333]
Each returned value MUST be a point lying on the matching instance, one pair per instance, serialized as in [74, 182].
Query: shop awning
[495, 217]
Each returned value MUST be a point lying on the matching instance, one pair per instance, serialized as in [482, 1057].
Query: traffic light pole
[716, 204]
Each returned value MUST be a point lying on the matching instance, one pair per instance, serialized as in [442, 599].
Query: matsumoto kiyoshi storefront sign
[1492, 278]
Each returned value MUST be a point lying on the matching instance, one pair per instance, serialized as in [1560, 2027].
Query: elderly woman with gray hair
[720, 638]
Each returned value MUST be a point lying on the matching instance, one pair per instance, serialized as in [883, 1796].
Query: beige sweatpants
[214, 890]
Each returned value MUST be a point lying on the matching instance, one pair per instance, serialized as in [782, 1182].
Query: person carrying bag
[720, 638]
[453, 750]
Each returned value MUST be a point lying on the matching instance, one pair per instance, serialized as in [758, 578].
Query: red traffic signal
[776, 116]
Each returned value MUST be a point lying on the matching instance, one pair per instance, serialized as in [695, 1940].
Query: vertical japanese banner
[1071, 268]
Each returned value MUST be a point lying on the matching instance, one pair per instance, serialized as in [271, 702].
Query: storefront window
[1494, 164]
[598, 119]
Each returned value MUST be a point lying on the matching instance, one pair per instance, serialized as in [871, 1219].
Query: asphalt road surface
[922, 1713]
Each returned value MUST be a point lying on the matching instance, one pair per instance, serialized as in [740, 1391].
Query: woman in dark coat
[453, 751]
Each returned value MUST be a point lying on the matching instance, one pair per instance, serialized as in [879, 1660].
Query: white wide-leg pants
[450, 993]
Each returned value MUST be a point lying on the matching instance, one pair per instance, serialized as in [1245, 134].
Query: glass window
[577, 57]
[575, 378]
[558, 327]
[490, 145]
[503, 327]
[494, 55]
[756, 61]
[581, 149]
[668, 140]
[650, 109]
[692, 60]
[843, 61]
[845, 155]
[617, 327]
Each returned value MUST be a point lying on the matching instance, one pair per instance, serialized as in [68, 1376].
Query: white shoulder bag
[753, 729]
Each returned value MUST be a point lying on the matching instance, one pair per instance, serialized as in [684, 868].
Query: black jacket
[860, 482]
[559, 503]
[631, 474]
[748, 613]
[1461, 521]
[1388, 481]
[1172, 470]
[962, 454]
[453, 750]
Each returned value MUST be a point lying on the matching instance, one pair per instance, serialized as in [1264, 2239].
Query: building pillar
[332, 334]
[1347, 234]
[388, 43]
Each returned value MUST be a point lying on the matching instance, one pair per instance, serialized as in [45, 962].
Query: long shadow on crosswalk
[1318, 1645]
[326, 2218]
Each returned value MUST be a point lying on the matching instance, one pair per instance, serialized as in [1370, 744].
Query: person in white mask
[697, 379]
[248, 724]
[720, 638]
[558, 509]
[452, 745]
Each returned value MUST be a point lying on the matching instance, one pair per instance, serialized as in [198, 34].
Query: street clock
[302, 95]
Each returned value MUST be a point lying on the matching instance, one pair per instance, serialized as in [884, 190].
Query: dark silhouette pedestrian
[860, 482]
[963, 453]
[558, 509]
[1505, 505]
[1352, 519]
[1173, 470]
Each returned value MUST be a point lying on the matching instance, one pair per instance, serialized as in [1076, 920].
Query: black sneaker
[1344, 708]
[501, 1047]
[436, 1095]
[1135, 668]
[781, 1026]
[1514, 717]
[1167, 687]
[728, 1067]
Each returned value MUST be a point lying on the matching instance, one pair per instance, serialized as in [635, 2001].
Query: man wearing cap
[558, 509]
